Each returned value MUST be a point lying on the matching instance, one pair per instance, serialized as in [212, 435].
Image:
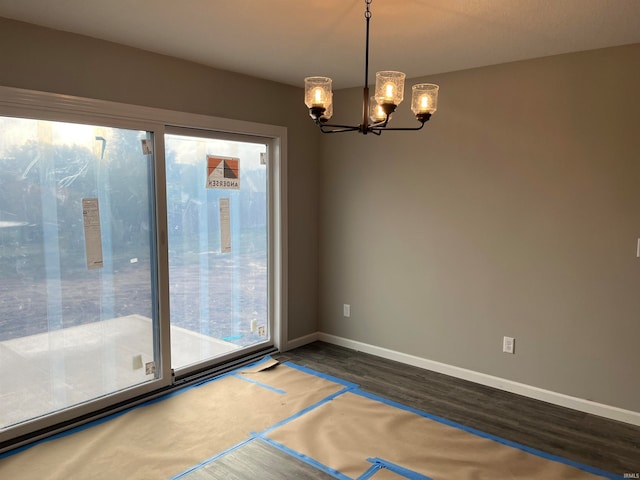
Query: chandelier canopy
[376, 110]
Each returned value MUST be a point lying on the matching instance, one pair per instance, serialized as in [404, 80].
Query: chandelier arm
[383, 123]
[336, 125]
[382, 128]
[322, 123]
[337, 128]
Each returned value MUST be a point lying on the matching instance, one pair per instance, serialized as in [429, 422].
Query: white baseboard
[300, 341]
[563, 400]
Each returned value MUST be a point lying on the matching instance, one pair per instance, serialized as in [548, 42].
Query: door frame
[189, 370]
[57, 107]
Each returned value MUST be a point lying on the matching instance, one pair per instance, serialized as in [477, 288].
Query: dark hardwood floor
[257, 460]
[587, 439]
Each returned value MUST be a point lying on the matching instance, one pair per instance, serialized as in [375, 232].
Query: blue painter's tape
[373, 469]
[212, 459]
[311, 461]
[94, 423]
[303, 411]
[403, 472]
[263, 385]
[378, 464]
[322, 375]
[232, 337]
[308, 460]
[102, 420]
[524, 448]
[265, 359]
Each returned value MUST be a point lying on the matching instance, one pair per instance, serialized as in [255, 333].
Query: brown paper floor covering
[344, 432]
[164, 438]
[344, 428]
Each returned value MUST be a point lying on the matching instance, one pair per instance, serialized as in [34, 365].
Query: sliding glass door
[133, 255]
[77, 275]
[218, 238]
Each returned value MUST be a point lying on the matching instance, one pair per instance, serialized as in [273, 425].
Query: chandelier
[376, 110]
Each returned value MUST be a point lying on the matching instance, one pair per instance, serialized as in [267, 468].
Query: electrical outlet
[346, 310]
[508, 344]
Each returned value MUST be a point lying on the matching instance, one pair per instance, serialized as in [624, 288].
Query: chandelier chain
[367, 16]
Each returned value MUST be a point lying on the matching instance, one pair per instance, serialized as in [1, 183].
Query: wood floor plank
[601, 443]
[587, 439]
[257, 460]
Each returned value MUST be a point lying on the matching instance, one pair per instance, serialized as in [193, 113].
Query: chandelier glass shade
[377, 109]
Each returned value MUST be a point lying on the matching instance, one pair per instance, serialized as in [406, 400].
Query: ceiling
[287, 40]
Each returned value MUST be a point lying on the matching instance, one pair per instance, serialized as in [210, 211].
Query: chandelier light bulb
[376, 113]
[389, 87]
[424, 98]
[318, 97]
[388, 92]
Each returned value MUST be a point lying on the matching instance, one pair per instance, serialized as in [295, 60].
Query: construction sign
[223, 172]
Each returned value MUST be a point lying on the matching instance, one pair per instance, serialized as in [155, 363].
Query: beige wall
[48, 60]
[514, 212]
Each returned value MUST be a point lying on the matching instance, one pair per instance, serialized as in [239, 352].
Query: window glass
[76, 275]
[218, 250]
